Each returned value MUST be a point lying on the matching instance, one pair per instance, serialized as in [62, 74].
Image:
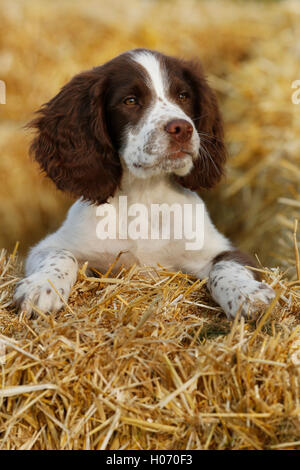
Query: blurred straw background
[251, 51]
[148, 360]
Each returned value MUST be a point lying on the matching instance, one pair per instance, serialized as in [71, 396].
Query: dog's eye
[130, 101]
[183, 96]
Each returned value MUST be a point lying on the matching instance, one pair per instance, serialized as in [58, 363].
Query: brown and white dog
[146, 127]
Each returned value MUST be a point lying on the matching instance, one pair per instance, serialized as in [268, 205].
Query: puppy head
[145, 111]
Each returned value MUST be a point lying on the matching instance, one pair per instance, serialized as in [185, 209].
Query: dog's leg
[234, 287]
[46, 263]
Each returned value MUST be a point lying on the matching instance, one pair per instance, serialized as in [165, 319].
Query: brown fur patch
[239, 257]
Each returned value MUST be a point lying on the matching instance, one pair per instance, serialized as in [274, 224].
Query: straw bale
[146, 360]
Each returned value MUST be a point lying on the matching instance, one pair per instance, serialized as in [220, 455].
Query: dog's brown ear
[209, 166]
[72, 144]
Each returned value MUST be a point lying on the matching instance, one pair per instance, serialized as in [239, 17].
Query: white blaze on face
[156, 73]
[146, 147]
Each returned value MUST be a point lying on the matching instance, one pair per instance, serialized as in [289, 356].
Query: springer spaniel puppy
[145, 126]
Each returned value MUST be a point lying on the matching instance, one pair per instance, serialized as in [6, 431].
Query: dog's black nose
[180, 130]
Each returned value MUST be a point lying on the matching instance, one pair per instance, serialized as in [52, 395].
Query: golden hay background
[251, 52]
[150, 362]
[146, 360]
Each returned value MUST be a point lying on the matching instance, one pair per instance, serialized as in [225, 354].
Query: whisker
[209, 135]
[210, 143]
[200, 117]
[207, 155]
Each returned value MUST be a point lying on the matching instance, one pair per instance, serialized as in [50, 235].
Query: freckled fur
[96, 148]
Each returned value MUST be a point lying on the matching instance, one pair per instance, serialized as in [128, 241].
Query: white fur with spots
[55, 265]
[234, 288]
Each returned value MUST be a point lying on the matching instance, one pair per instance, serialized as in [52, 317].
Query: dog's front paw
[250, 298]
[36, 290]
